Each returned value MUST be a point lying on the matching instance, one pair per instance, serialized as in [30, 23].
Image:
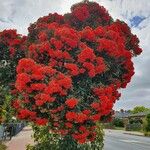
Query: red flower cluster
[72, 102]
[12, 40]
[81, 13]
[74, 70]
[86, 14]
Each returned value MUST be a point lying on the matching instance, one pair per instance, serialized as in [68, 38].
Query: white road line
[130, 141]
[134, 141]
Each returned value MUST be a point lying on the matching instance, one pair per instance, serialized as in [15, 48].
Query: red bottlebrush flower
[99, 31]
[44, 47]
[100, 67]
[25, 65]
[63, 132]
[69, 36]
[24, 114]
[92, 73]
[65, 82]
[73, 68]
[57, 43]
[82, 128]
[41, 121]
[38, 86]
[47, 98]
[71, 103]
[21, 82]
[88, 34]
[12, 51]
[80, 118]
[46, 70]
[95, 105]
[82, 141]
[56, 124]
[95, 117]
[39, 102]
[138, 51]
[16, 104]
[82, 70]
[86, 112]
[91, 68]
[66, 55]
[32, 115]
[68, 125]
[53, 87]
[86, 55]
[42, 36]
[70, 116]
[32, 47]
[81, 13]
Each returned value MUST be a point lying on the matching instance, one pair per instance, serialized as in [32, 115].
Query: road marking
[134, 141]
[130, 141]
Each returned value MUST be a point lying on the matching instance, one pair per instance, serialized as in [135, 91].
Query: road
[117, 140]
[114, 140]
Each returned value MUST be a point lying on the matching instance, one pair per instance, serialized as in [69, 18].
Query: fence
[16, 128]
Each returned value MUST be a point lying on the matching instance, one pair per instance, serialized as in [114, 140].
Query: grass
[119, 128]
[2, 146]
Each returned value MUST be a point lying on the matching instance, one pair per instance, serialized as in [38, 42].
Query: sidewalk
[134, 133]
[20, 141]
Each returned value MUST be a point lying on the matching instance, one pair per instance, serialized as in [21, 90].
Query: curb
[134, 134]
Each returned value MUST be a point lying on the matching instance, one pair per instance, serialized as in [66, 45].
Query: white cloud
[19, 14]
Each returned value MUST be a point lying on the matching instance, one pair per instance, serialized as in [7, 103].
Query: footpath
[20, 141]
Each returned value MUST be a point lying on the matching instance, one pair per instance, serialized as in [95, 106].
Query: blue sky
[19, 14]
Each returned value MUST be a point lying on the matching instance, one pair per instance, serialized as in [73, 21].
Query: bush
[146, 125]
[109, 125]
[134, 127]
[135, 121]
[118, 122]
[45, 140]
[147, 134]
[2, 146]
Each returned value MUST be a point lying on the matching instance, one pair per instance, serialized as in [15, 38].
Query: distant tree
[122, 110]
[138, 109]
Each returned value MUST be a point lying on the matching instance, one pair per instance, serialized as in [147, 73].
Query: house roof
[140, 114]
[119, 114]
[127, 114]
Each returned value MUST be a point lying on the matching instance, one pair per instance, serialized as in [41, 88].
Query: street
[117, 140]
[114, 140]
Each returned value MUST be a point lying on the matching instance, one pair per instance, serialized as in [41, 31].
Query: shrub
[2, 146]
[131, 121]
[118, 122]
[146, 125]
[45, 140]
[134, 127]
[109, 125]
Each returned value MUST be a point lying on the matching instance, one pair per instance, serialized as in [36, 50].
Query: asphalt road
[117, 140]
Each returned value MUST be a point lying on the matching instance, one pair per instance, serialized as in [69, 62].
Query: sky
[18, 14]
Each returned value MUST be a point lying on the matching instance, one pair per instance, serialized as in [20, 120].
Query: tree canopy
[139, 109]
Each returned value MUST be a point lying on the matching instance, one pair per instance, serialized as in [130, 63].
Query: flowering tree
[72, 70]
[11, 51]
